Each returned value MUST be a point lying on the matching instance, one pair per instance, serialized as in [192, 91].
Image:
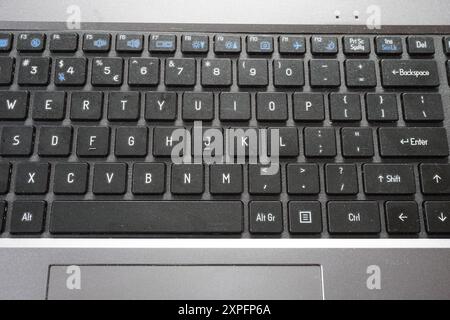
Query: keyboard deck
[87, 122]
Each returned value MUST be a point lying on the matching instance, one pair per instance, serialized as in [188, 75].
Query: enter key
[413, 142]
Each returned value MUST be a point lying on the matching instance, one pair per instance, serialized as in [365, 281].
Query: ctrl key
[353, 217]
[27, 217]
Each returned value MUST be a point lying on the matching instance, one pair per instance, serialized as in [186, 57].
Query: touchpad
[185, 282]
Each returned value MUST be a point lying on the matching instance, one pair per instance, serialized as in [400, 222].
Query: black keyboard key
[388, 45]
[93, 141]
[360, 74]
[160, 106]
[5, 169]
[16, 141]
[31, 42]
[448, 71]
[180, 72]
[446, 45]
[209, 144]
[402, 217]
[64, 42]
[302, 178]
[149, 178]
[264, 179]
[198, 106]
[6, 70]
[341, 179]
[420, 45]
[324, 45]
[27, 217]
[259, 44]
[49, 105]
[356, 45]
[423, 107]
[324, 73]
[70, 71]
[266, 217]
[6, 40]
[143, 72]
[124, 106]
[353, 217]
[305, 217]
[131, 142]
[357, 142]
[187, 179]
[31, 178]
[227, 44]
[253, 73]
[381, 107]
[409, 73]
[345, 107]
[288, 73]
[389, 179]
[129, 42]
[216, 72]
[271, 106]
[225, 179]
[96, 42]
[107, 72]
[165, 139]
[291, 45]
[308, 107]
[2, 213]
[320, 142]
[13, 105]
[90, 217]
[234, 106]
[435, 178]
[34, 71]
[287, 142]
[194, 44]
[110, 178]
[71, 178]
[413, 142]
[86, 106]
[437, 217]
[165, 43]
[55, 141]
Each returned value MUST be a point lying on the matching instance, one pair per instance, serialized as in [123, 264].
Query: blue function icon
[231, 45]
[389, 45]
[100, 43]
[331, 46]
[297, 45]
[35, 42]
[265, 45]
[198, 44]
[163, 44]
[61, 77]
[4, 42]
[134, 43]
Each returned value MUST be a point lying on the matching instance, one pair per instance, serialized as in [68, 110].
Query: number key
[34, 71]
[143, 72]
[180, 72]
[107, 71]
[216, 72]
[70, 72]
[252, 72]
[288, 73]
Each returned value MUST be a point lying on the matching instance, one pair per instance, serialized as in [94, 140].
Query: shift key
[409, 73]
[413, 142]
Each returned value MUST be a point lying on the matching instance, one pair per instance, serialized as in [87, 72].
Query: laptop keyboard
[89, 124]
